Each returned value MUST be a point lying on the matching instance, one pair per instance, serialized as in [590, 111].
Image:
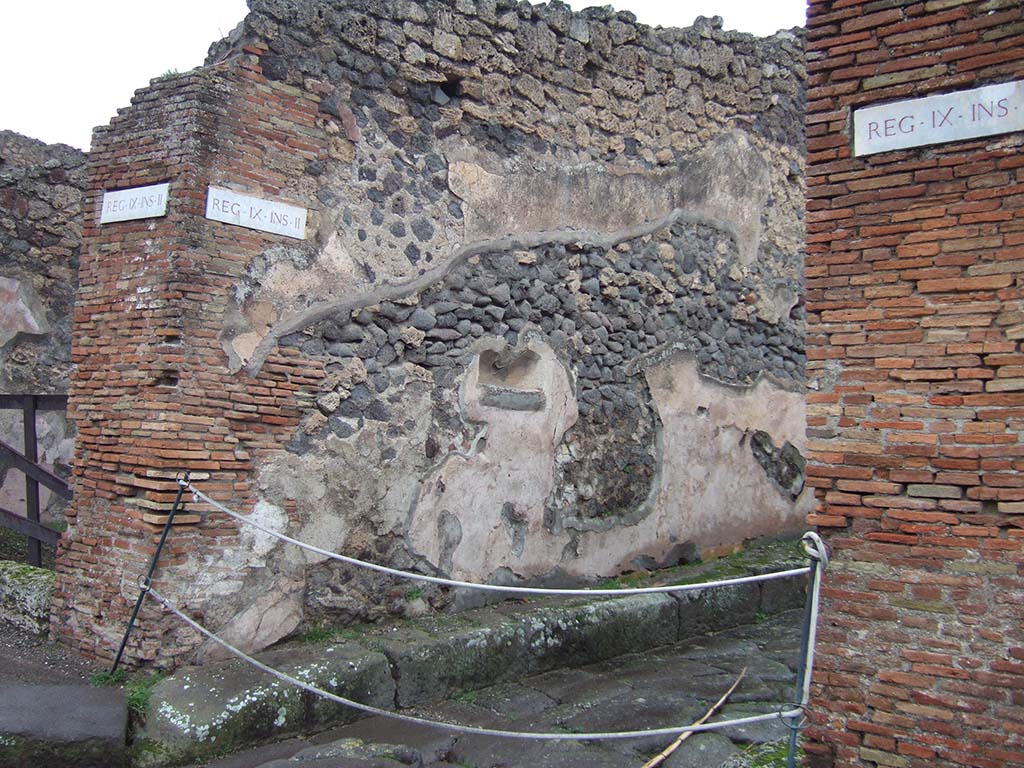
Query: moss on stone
[20, 573]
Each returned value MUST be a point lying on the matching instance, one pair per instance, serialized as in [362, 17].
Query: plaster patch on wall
[270, 517]
[20, 310]
[725, 182]
[513, 470]
[711, 490]
[711, 482]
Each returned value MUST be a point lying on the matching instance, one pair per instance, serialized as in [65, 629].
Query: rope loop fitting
[815, 548]
[794, 722]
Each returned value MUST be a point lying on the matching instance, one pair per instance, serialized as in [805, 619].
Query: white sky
[68, 65]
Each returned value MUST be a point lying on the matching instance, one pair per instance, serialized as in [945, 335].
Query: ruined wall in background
[41, 193]
[544, 324]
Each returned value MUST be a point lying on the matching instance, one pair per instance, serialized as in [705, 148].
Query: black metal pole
[34, 551]
[805, 640]
[144, 583]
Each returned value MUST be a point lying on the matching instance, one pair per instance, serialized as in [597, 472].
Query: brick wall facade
[151, 394]
[916, 375]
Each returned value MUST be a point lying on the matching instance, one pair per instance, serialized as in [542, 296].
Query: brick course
[913, 297]
[151, 394]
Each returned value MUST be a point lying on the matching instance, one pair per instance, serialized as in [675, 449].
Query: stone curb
[74, 726]
[25, 596]
[203, 712]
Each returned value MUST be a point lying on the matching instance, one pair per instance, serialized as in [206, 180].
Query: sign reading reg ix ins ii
[986, 111]
[230, 207]
[136, 203]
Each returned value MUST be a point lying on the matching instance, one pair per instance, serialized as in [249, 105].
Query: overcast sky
[68, 65]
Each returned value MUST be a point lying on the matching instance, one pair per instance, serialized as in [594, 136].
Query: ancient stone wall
[41, 192]
[544, 324]
[914, 316]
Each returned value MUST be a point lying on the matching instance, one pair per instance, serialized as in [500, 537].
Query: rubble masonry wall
[545, 324]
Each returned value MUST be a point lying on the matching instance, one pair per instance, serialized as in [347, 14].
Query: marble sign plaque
[986, 111]
[255, 213]
[137, 203]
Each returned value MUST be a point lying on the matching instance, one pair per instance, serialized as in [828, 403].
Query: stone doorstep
[72, 726]
[205, 711]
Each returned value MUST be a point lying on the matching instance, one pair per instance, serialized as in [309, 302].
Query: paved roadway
[670, 686]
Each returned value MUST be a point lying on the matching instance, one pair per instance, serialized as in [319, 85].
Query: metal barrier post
[148, 578]
[819, 559]
[34, 551]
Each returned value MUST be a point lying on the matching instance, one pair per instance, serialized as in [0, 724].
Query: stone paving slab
[203, 712]
[73, 726]
[664, 687]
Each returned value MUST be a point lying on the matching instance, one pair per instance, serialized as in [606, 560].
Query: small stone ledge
[201, 712]
[25, 596]
[72, 726]
[508, 642]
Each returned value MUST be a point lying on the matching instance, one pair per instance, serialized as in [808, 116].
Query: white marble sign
[255, 213]
[985, 111]
[137, 203]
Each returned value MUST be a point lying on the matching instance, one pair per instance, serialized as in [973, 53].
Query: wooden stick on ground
[667, 751]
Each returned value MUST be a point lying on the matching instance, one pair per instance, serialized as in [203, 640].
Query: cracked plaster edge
[583, 525]
[680, 349]
[520, 241]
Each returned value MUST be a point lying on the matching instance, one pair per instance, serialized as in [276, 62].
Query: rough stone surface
[210, 710]
[25, 596]
[422, 661]
[41, 196]
[68, 725]
[702, 750]
[42, 191]
[510, 646]
[667, 686]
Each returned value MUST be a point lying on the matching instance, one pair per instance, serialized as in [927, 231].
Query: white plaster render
[712, 491]
[727, 182]
[270, 517]
[514, 464]
[20, 310]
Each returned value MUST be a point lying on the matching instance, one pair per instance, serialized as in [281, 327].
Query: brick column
[152, 393]
[916, 376]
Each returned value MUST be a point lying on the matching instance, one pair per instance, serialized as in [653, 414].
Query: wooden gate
[35, 474]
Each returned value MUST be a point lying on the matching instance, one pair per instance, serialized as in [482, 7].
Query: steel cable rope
[199, 495]
[470, 729]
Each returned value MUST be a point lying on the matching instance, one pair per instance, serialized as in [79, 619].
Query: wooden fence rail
[35, 474]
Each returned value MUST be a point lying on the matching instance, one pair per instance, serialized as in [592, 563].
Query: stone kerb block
[25, 596]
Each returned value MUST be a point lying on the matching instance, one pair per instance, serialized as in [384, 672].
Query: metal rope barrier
[469, 729]
[199, 495]
[812, 544]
